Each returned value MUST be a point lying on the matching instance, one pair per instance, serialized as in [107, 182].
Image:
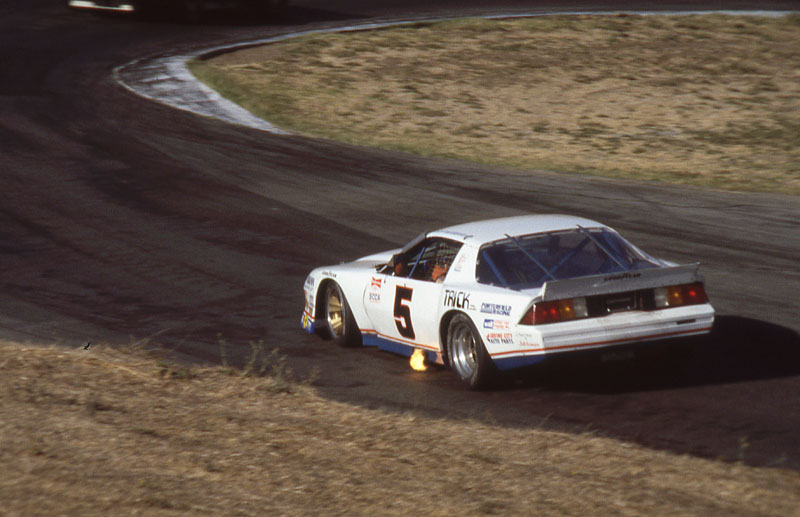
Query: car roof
[480, 232]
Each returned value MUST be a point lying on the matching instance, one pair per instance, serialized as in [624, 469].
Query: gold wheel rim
[335, 313]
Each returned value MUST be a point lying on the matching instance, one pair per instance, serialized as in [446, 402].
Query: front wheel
[467, 354]
[339, 322]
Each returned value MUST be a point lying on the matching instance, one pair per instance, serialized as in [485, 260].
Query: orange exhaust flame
[418, 361]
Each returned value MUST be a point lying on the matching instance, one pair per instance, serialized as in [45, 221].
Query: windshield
[529, 261]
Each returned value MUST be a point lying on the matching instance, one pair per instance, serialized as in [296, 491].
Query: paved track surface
[123, 220]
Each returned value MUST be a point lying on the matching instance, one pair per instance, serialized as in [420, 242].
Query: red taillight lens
[528, 318]
[696, 293]
[555, 311]
[576, 308]
[679, 295]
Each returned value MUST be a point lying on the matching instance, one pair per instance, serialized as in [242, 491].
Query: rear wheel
[339, 322]
[467, 354]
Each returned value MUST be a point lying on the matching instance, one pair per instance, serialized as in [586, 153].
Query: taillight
[555, 311]
[680, 295]
[602, 305]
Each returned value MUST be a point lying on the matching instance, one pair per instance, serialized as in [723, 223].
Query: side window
[429, 261]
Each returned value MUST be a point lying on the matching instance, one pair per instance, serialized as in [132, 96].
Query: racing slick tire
[467, 354]
[340, 325]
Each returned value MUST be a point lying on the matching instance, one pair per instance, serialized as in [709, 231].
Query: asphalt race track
[124, 220]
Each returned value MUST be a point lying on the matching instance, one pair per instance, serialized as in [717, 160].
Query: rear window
[529, 261]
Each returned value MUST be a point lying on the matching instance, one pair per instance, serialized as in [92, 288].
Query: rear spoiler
[621, 282]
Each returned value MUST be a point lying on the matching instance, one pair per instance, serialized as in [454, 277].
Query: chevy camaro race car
[495, 295]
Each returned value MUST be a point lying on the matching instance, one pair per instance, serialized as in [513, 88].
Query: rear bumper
[611, 331]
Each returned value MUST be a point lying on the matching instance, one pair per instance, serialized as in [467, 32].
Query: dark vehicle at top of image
[187, 9]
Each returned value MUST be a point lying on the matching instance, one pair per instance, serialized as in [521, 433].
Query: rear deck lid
[620, 282]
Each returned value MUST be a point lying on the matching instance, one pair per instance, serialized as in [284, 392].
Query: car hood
[379, 258]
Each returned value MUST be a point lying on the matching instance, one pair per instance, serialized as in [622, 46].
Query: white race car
[495, 295]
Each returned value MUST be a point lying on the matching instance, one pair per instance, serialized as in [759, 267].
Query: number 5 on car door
[402, 311]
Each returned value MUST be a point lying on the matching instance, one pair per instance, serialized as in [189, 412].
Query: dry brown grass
[703, 100]
[106, 431]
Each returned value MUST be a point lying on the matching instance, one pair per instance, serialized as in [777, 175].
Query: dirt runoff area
[107, 431]
[711, 100]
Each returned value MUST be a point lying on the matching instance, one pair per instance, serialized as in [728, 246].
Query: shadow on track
[738, 349]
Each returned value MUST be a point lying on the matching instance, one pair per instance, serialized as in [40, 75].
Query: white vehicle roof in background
[480, 232]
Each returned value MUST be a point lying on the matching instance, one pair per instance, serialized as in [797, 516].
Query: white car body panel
[376, 298]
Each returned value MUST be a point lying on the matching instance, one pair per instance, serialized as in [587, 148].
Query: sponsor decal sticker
[496, 324]
[310, 282]
[623, 276]
[498, 338]
[308, 323]
[456, 299]
[495, 308]
[459, 263]
[374, 294]
[528, 341]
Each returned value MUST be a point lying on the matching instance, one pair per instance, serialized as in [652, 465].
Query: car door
[404, 303]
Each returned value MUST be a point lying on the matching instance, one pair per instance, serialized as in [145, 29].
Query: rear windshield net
[529, 261]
